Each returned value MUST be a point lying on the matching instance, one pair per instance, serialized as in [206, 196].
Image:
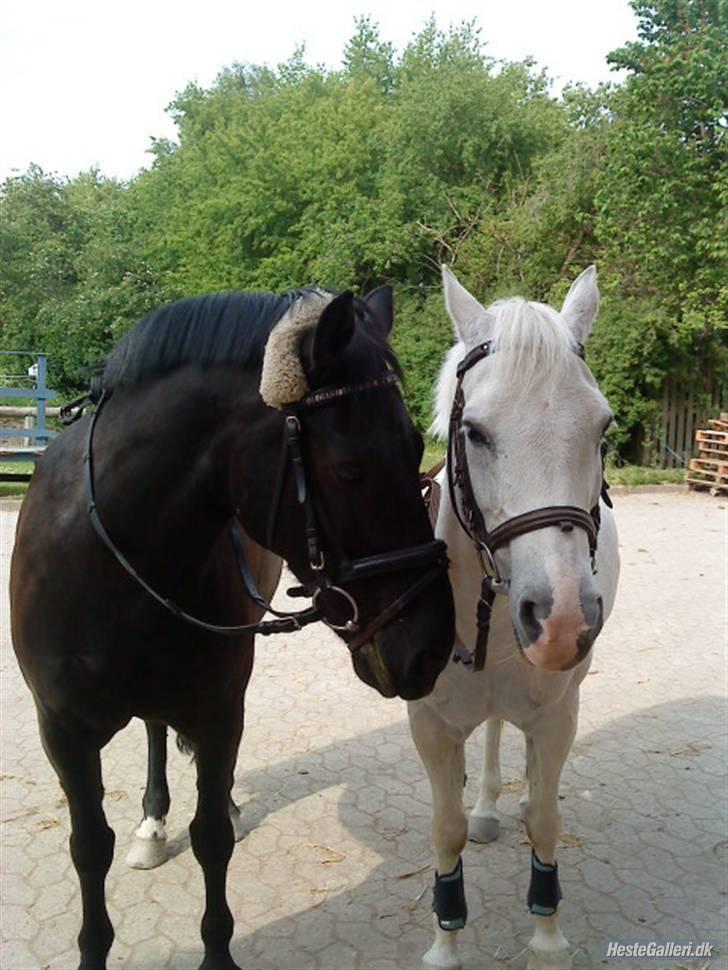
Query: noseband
[472, 520]
[326, 578]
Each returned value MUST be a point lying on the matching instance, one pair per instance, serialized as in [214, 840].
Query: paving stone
[339, 806]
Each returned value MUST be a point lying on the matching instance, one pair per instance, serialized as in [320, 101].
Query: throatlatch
[448, 899]
[544, 892]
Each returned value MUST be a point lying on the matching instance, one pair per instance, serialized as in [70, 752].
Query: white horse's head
[533, 423]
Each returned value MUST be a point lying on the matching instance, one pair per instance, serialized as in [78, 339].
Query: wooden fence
[684, 411]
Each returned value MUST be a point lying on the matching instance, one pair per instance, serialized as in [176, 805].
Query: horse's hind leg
[76, 759]
[483, 824]
[211, 833]
[149, 848]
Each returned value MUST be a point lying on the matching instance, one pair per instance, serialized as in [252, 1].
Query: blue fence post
[38, 436]
[40, 383]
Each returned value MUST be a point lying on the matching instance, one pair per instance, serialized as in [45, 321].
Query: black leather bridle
[472, 520]
[327, 577]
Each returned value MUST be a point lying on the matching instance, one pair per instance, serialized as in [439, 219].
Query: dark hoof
[219, 963]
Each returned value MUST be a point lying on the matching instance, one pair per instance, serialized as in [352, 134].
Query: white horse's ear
[472, 321]
[582, 304]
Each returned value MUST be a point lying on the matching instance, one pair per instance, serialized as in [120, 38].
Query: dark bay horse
[267, 424]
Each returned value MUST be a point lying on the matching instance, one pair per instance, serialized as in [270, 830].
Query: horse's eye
[349, 471]
[477, 437]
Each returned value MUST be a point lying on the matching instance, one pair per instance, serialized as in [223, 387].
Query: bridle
[327, 577]
[471, 518]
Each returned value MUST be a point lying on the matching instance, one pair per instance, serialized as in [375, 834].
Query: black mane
[228, 328]
[205, 330]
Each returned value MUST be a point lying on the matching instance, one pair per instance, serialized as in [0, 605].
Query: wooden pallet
[709, 466]
[714, 443]
[712, 436]
[700, 483]
[710, 469]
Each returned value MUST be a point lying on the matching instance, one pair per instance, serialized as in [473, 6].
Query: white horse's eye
[477, 437]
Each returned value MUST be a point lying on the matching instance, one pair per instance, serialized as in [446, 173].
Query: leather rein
[326, 579]
[472, 520]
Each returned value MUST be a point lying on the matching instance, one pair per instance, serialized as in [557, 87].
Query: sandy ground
[331, 873]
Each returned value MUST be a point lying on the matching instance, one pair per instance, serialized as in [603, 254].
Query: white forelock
[528, 339]
[282, 378]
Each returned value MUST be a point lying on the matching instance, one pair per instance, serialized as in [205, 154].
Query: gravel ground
[331, 874]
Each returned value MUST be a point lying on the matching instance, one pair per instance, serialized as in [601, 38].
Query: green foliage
[661, 202]
[422, 333]
[71, 277]
[380, 171]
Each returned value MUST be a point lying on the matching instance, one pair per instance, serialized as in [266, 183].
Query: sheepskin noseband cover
[282, 379]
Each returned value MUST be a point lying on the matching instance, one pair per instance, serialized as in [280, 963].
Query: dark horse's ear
[333, 331]
[381, 305]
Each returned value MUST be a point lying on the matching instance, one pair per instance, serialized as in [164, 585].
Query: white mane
[527, 339]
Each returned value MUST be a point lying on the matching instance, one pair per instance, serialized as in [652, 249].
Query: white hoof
[147, 853]
[239, 829]
[549, 947]
[149, 848]
[551, 959]
[440, 957]
[483, 828]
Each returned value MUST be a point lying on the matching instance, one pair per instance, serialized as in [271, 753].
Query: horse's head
[361, 455]
[532, 425]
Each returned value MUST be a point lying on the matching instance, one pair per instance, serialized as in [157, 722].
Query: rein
[472, 520]
[325, 580]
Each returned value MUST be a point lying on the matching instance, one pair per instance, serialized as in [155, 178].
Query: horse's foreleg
[443, 755]
[211, 833]
[75, 757]
[548, 746]
[483, 824]
[149, 848]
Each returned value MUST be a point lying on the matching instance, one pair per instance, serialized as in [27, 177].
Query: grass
[434, 452]
[13, 489]
[630, 475]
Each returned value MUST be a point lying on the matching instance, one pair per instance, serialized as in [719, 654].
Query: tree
[662, 203]
[72, 278]
[381, 170]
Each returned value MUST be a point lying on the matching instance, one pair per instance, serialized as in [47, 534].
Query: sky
[86, 83]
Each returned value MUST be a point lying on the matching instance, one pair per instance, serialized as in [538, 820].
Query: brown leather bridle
[472, 520]
[327, 575]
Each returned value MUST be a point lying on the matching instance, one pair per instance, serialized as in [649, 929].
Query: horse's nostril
[593, 609]
[527, 616]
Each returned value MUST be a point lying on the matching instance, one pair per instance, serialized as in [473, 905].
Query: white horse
[533, 421]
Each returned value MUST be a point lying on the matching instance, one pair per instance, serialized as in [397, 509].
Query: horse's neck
[156, 468]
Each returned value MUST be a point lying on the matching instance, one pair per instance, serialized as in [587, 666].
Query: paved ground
[331, 874]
